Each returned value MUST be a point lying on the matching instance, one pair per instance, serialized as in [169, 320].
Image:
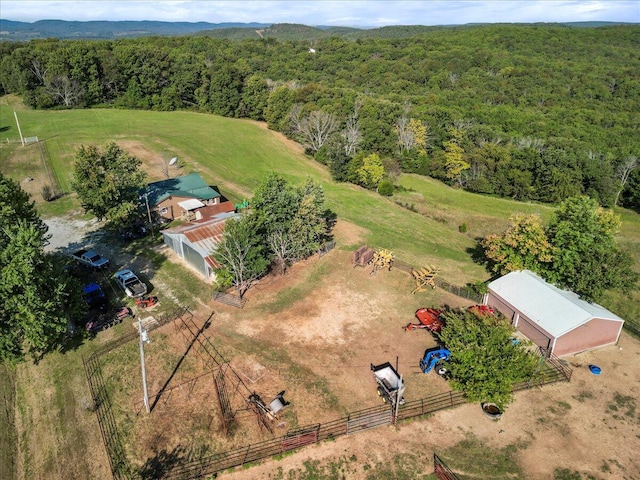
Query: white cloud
[327, 12]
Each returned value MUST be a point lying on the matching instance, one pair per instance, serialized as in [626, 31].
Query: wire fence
[196, 466]
[464, 292]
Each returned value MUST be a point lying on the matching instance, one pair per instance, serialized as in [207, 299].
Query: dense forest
[531, 112]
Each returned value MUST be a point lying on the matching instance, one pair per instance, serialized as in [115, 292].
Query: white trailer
[390, 383]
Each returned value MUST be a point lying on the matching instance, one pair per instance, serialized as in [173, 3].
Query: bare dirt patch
[590, 425]
[153, 163]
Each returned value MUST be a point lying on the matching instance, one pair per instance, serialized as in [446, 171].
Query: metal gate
[364, 420]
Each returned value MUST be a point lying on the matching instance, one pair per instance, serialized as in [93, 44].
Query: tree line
[534, 113]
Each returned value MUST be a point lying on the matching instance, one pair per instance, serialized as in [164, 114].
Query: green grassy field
[236, 155]
[7, 427]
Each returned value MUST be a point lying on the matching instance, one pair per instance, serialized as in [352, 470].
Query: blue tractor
[435, 358]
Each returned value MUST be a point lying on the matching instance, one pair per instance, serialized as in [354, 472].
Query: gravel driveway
[71, 234]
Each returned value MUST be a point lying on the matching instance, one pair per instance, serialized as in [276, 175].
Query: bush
[463, 228]
[47, 193]
[385, 188]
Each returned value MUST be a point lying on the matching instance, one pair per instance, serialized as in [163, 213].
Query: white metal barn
[552, 318]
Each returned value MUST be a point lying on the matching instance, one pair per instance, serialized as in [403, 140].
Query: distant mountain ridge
[18, 31]
[63, 29]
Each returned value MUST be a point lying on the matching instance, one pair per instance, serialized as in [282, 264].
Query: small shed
[195, 242]
[554, 319]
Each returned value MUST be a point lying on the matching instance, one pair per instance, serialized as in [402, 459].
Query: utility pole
[143, 338]
[399, 394]
[146, 199]
[19, 131]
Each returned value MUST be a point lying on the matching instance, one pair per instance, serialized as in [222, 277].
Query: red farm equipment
[429, 320]
[144, 302]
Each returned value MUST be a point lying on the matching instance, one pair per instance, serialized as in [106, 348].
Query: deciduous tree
[241, 254]
[371, 173]
[309, 226]
[485, 364]
[274, 205]
[314, 129]
[455, 162]
[523, 245]
[279, 105]
[586, 258]
[38, 298]
[623, 174]
[577, 250]
[108, 182]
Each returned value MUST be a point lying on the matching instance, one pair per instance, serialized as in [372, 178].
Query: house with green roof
[181, 196]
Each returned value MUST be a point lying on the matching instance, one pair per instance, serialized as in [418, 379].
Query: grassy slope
[236, 155]
[7, 428]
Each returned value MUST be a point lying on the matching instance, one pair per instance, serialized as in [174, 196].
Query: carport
[554, 319]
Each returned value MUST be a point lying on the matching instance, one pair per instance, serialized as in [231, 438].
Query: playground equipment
[424, 277]
[429, 320]
[390, 383]
[435, 358]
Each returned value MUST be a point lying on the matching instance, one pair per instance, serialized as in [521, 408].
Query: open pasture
[313, 332]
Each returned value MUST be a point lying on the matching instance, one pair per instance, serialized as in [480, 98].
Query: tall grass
[7, 421]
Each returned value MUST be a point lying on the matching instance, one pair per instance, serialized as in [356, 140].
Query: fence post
[246, 454]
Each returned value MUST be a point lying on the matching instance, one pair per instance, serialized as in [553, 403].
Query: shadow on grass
[179, 458]
[72, 343]
[477, 253]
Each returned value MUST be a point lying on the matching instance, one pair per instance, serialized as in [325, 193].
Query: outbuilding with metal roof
[552, 318]
[195, 241]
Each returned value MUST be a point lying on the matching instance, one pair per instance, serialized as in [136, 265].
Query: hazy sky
[327, 12]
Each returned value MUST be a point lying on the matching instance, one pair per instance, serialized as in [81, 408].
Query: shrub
[385, 188]
[47, 193]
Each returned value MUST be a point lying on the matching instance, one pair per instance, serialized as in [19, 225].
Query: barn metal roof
[556, 311]
[202, 235]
